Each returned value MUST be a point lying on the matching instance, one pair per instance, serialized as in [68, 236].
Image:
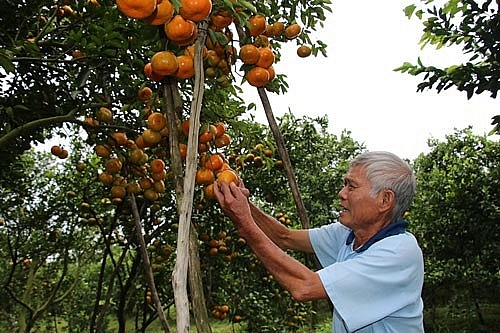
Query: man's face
[360, 209]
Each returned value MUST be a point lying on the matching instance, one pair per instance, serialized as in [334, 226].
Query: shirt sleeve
[327, 241]
[377, 282]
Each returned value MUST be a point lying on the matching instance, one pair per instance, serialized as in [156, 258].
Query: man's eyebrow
[349, 181]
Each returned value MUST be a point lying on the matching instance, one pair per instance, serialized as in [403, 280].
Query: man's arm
[302, 283]
[285, 238]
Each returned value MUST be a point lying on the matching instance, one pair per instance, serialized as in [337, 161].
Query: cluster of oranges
[58, 151]
[145, 174]
[220, 311]
[180, 27]
[213, 166]
[259, 54]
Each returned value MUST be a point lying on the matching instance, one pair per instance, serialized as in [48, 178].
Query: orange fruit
[148, 71]
[214, 162]
[186, 67]
[221, 129]
[94, 2]
[56, 150]
[105, 178]
[185, 127]
[104, 114]
[261, 41]
[159, 186]
[208, 191]
[118, 191]
[162, 14]
[136, 9]
[278, 28]
[228, 176]
[204, 176]
[195, 10]
[221, 20]
[292, 31]
[183, 150]
[133, 187]
[137, 156]
[146, 183]
[151, 195]
[157, 165]
[223, 140]
[157, 121]
[272, 73]
[266, 58]
[202, 148]
[144, 93]
[140, 143]
[206, 136]
[64, 154]
[157, 176]
[249, 54]
[179, 29]
[150, 137]
[212, 58]
[256, 25]
[303, 51]
[113, 165]
[189, 40]
[164, 63]
[119, 138]
[257, 76]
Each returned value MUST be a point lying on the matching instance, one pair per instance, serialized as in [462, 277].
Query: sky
[356, 87]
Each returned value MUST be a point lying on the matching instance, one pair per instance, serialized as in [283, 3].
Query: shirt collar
[392, 229]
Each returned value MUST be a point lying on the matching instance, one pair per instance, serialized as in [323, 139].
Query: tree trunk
[185, 197]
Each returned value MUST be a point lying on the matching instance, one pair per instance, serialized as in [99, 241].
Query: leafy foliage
[473, 25]
[455, 217]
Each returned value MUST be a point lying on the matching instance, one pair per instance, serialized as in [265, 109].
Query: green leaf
[409, 10]
[6, 62]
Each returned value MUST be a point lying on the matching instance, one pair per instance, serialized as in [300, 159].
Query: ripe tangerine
[292, 31]
[164, 63]
[157, 165]
[266, 58]
[185, 68]
[195, 10]
[136, 9]
[148, 71]
[157, 121]
[162, 14]
[257, 25]
[179, 29]
[249, 54]
[228, 176]
[303, 51]
[214, 162]
[204, 176]
[257, 76]
[144, 93]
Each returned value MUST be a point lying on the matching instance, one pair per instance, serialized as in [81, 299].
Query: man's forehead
[356, 174]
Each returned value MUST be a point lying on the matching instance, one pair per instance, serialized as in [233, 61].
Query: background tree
[455, 218]
[111, 291]
[475, 26]
[82, 67]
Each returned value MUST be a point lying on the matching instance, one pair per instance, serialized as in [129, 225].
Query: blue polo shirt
[376, 288]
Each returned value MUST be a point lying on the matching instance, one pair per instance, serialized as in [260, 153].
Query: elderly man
[372, 268]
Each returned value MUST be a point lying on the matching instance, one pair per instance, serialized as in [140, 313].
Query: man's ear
[387, 199]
